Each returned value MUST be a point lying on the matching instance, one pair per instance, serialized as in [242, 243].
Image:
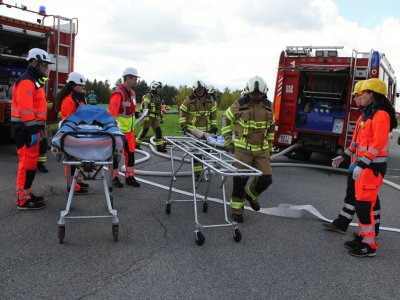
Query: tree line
[169, 93]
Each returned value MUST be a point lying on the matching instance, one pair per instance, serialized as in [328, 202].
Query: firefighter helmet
[76, 78]
[40, 55]
[243, 92]
[357, 87]
[130, 71]
[154, 85]
[376, 85]
[198, 84]
[210, 89]
[256, 84]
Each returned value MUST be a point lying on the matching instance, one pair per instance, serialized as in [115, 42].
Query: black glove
[184, 129]
[213, 130]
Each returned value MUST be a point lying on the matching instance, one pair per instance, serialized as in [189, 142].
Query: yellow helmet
[357, 87]
[376, 85]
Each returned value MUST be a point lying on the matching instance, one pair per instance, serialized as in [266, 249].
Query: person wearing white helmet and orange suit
[251, 119]
[199, 111]
[123, 108]
[152, 103]
[342, 222]
[370, 153]
[68, 99]
[28, 117]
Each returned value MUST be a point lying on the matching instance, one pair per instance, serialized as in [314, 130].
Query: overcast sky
[221, 42]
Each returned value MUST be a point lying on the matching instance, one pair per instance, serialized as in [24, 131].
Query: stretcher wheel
[61, 233]
[168, 208]
[205, 207]
[115, 232]
[237, 235]
[200, 238]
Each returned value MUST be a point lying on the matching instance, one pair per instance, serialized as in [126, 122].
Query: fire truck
[22, 29]
[313, 101]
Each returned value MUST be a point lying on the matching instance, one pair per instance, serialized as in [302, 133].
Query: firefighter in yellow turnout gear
[199, 111]
[252, 121]
[152, 102]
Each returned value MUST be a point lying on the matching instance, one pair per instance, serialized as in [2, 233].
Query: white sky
[222, 42]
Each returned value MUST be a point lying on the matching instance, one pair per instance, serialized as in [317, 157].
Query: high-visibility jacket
[253, 124]
[123, 107]
[28, 106]
[152, 102]
[370, 140]
[200, 113]
[70, 104]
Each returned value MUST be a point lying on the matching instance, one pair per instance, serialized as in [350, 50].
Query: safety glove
[34, 139]
[357, 172]
[184, 129]
[213, 130]
[229, 146]
[337, 161]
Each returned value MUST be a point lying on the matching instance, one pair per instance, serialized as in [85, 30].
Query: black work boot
[333, 227]
[253, 204]
[41, 167]
[30, 205]
[160, 148]
[363, 250]
[132, 182]
[237, 218]
[116, 183]
[354, 243]
[35, 198]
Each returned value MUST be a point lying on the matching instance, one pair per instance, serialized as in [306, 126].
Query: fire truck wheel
[300, 154]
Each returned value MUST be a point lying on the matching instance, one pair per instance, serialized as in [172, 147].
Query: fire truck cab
[313, 101]
[22, 29]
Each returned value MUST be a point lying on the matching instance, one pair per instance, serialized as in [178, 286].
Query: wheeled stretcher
[89, 140]
[215, 162]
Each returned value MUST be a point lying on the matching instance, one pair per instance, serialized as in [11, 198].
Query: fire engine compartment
[321, 104]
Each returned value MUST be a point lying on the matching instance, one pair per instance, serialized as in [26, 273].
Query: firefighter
[92, 98]
[252, 120]
[152, 102]
[70, 97]
[28, 115]
[342, 222]
[370, 152]
[123, 108]
[199, 111]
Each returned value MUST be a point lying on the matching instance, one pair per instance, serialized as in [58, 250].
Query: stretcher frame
[215, 162]
[89, 169]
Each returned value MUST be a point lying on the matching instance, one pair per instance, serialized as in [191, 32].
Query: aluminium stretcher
[89, 140]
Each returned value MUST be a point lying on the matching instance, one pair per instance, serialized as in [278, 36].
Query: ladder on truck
[359, 73]
[69, 26]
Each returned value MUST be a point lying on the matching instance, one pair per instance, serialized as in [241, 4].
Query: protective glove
[337, 161]
[229, 146]
[213, 130]
[41, 135]
[184, 129]
[357, 173]
[34, 139]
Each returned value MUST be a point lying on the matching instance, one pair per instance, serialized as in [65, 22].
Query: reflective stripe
[16, 119]
[348, 152]
[30, 123]
[346, 215]
[368, 240]
[377, 212]
[353, 144]
[236, 205]
[350, 207]
[252, 196]
[373, 151]
[362, 148]
[367, 228]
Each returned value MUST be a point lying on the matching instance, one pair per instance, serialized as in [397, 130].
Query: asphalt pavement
[156, 256]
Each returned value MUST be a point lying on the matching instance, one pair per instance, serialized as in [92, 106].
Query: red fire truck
[313, 104]
[22, 29]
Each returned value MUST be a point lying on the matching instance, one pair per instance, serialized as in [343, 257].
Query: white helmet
[243, 92]
[154, 85]
[76, 78]
[198, 84]
[130, 71]
[256, 83]
[210, 89]
[40, 55]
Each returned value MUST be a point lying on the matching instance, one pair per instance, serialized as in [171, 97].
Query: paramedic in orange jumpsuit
[342, 222]
[123, 108]
[70, 98]
[28, 115]
[371, 154]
